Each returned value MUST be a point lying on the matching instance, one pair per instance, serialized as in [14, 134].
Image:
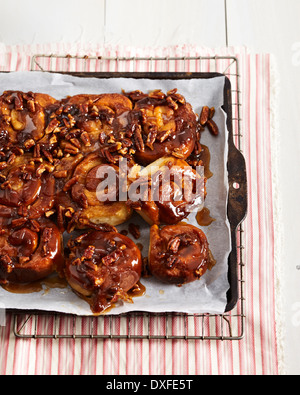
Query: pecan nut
[212, 127]
[204, 117]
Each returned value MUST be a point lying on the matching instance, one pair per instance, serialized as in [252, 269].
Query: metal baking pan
[236, 167]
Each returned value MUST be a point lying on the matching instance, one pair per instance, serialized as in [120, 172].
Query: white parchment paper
[207, 295]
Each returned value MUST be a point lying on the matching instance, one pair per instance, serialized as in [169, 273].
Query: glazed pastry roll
[27, 185]
[30, 250]
[23, 119]
[102, 267]
[86, 123]
[90, 197]
[167, 191]
[161, 125]
[178, 254]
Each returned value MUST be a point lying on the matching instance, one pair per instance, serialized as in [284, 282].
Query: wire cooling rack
[141, 325]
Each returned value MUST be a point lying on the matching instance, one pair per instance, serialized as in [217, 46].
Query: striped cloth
[259, 352]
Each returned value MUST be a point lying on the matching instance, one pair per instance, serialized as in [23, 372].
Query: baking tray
[237, 208]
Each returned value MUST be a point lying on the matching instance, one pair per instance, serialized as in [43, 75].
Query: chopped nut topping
[53, 124]
[85, 139]
[60, 174]
[174, 244]
[112, 257]
[89, 252]
[70, 183]
[29, 143]
[139, 142]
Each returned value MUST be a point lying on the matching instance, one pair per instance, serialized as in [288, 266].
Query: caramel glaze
[201, 157]
[24, 288]
[52, 281]
[204, 218]
[205, 158]
[178, 254]
[102, 267]
[137, 290]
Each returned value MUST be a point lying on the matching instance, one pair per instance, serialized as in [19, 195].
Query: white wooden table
[262, 25]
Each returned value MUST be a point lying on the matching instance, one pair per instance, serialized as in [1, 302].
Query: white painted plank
[273, 26]
[39, 22]
[165, 22]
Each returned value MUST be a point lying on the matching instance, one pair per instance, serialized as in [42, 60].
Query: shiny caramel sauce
[204, 218]
[23, 288]
[205, 157]
[50, 282]
[89, 301]
[212, 261]
[138, 290]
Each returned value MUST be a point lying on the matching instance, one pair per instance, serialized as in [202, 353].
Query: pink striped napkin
[259, 352]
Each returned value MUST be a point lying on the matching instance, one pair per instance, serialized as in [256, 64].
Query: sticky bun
[167, 191]
[23, 120]
[161, 125]
[89, 197]
[30, 250]
[28, 185]
[102, 267]
[90, 122]
[178, 254]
